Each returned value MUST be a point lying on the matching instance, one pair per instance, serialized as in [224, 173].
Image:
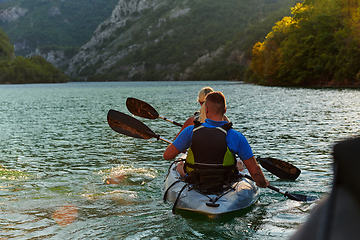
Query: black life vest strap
[197, 124]
[209, 166]
[226, 126]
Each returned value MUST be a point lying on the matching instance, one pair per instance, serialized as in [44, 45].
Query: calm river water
[56, 149]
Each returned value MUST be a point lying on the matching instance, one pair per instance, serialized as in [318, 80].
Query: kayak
[241, 195]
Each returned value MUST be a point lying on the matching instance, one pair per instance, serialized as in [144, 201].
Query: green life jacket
[209, 149]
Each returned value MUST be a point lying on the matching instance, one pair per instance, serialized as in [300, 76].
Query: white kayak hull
[244, 194]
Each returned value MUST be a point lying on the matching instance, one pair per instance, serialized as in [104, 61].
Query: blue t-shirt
[236, 142]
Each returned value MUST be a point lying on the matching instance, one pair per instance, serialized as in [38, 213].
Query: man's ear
[225, 110]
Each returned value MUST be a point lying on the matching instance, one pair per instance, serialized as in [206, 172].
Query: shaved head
[216, 103]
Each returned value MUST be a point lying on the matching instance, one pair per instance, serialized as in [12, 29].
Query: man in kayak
[200, 116]
[210, 147]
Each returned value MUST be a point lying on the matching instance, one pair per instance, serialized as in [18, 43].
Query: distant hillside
[62, 23]
[22, 70]
[176, 40]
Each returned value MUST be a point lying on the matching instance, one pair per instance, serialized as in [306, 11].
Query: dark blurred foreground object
[338, 216]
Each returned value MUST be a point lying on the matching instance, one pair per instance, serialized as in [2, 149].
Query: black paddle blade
[279, 168]
[127, 125]
[141, 109]
[300, 197]
[293, 196]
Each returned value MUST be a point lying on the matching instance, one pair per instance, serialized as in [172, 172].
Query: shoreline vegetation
[36, 69]
[20, 70]
[318, 46]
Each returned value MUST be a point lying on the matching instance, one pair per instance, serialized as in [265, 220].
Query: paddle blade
[300, 197]
[293, 196]
[141, 109]
[279, 168]
[129, 126]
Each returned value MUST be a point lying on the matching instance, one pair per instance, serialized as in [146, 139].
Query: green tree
[319, 45]
[6, 49]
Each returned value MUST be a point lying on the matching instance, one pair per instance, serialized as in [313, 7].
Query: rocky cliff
[105, 56]
[12, 14]
[169, 40]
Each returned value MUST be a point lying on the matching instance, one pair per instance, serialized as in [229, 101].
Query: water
[56, 149]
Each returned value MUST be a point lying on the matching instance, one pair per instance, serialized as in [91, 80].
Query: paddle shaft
[271, 187]
[164, 139]
[173, 122]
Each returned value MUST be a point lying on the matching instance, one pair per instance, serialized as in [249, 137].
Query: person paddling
[214, 143]
[199, 115]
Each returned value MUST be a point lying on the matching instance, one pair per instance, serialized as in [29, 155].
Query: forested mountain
[170, 40]
[61, 23]
[318, 46]
[25, 70]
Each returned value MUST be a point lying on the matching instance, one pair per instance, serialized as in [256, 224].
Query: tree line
[318, 46]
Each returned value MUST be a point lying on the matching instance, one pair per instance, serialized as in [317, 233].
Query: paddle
[292, 196]
[279, 168]
[129, 126]
[142, 109]
[132, 127]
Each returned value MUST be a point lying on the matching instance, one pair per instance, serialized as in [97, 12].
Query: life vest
[209, 149]
[210, 163]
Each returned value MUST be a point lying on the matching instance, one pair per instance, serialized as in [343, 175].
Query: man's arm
[188, 122]
[255, 172]
[171, 152]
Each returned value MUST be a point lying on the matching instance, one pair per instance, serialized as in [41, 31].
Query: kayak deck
[242, 194]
